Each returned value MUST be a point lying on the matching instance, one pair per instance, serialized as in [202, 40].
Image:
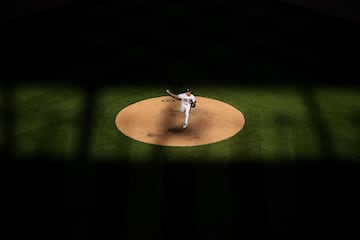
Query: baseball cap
[188, 90]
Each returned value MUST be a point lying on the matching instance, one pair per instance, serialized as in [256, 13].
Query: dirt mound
[159, 121]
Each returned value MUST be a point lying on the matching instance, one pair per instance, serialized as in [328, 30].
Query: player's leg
[182, 108]
[187, 115]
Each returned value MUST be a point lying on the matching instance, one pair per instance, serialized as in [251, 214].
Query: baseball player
[187, 102]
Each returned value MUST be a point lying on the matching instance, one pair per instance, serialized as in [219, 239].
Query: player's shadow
[176, 130]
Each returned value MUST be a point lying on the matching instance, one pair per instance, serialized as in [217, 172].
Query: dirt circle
[159, 121]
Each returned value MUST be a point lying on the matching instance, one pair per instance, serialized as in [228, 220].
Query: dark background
[347, 9]
[179, 42]
[100, 43]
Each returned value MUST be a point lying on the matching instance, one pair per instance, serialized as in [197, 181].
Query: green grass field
[283, 123]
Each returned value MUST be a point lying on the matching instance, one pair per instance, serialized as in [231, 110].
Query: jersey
[185, 99]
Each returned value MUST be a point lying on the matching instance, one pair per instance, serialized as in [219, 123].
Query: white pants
[186, 109]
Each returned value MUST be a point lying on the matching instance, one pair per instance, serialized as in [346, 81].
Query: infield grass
[282, 123]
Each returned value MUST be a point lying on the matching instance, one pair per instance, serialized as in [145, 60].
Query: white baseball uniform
[186, 105]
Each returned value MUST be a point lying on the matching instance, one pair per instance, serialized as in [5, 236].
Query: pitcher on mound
[188, 101]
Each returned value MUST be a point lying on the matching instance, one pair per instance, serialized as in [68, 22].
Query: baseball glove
[193, 104]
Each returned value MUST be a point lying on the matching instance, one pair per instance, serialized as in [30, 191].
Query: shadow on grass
[322, 130]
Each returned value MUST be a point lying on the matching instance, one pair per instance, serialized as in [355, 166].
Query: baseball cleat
[185, 125]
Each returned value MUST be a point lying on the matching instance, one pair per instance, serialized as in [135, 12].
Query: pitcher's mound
[159, 121]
